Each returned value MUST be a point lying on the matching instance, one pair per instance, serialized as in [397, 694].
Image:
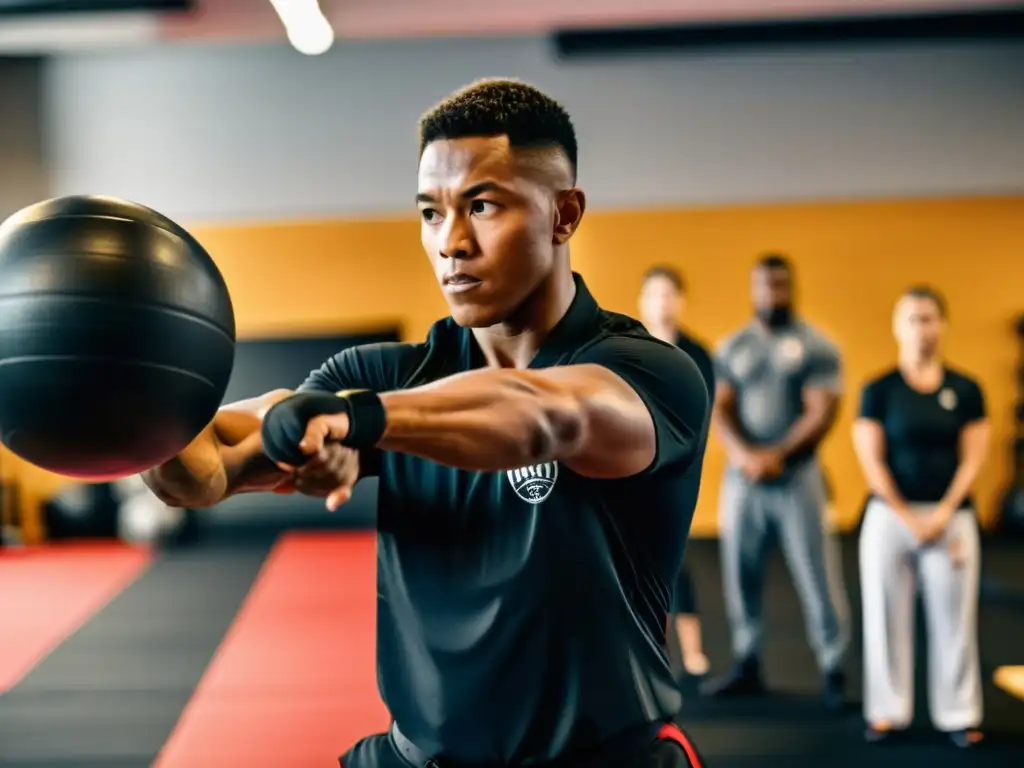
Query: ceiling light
[308, 30]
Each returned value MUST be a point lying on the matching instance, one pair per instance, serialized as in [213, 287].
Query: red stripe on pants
[672, 732]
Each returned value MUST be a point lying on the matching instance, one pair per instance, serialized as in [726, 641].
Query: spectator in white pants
[921, 437]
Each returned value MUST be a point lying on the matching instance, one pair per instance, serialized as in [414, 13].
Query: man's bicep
[822, 401]
[824, 369]
[670, 386]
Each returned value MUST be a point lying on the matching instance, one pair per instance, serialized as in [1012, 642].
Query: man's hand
[332, 470]
[761, 464]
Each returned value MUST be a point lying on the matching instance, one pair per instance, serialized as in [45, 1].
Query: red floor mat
[294, 682]
[46, 593]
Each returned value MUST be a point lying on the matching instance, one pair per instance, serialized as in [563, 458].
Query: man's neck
[770, 329]
[514, 343]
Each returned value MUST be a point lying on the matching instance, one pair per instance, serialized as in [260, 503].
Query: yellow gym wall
[853, 259]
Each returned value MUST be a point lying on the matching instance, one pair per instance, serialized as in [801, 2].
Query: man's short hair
[775, 261]
[666, 272]
[922, 291]
[529, 117]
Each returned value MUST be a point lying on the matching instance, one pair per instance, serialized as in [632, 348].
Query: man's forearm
[484, 421]
[207, 472]
[805, 433]
[820, 408]
[194, 478]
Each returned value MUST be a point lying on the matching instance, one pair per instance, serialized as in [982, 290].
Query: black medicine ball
[117, 337]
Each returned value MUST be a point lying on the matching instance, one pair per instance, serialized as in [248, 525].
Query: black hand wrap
[285, 423]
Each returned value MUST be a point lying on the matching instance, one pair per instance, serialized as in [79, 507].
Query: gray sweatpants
[791, 512]
[892, 564]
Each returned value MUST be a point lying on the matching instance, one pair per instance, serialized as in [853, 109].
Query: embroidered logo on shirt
[947, 399]
[534, 484]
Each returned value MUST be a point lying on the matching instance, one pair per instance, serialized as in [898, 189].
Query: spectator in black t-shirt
[921, 437]
[662, 301]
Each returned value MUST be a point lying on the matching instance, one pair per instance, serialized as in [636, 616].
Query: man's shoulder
[735, 341]
[617, 324]
[616, 332]
[652, 366]
[395, 365]
[389, 360]
[815, 339]
[380, 366]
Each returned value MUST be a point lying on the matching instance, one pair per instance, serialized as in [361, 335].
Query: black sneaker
[689, 685]
[743, 680]
[967, 738]
[833, 691]
[874, 735]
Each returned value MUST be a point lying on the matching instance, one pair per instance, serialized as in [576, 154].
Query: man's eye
[483, 207]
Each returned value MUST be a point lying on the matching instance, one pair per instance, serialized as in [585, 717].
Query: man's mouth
[458, 282]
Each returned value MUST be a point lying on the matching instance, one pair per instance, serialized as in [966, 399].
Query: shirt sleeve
[872, 401]
[336, 374]
[824, 367]
[379, 367]
[973, 403]
[670, 385]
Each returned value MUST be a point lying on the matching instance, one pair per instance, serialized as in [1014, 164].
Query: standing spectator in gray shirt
[778, 385]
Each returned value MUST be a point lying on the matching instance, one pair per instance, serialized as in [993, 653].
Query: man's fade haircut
[775, 260]
[928, 293]
[666, 272]
[500, 107]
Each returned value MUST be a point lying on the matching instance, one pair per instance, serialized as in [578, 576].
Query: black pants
[672, 749]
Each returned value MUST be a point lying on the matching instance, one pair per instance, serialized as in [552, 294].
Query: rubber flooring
[113, 693]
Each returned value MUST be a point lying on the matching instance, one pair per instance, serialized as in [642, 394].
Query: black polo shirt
[695, 349]
[521, 614]
[922, 430]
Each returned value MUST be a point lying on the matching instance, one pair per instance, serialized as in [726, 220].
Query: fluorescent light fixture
[58, 33]
[308, 30]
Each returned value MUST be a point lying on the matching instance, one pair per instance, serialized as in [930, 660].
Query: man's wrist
[367, 418]
[285, 424]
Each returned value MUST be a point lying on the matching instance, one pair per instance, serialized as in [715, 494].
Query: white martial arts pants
[892, 566]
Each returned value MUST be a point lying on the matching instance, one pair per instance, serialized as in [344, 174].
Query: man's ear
[569, 208]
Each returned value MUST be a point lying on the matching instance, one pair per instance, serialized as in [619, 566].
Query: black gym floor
[110, 695]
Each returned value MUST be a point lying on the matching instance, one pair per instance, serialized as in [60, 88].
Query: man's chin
[475, 316]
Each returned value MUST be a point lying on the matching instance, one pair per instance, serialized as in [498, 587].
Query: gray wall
[250, 132]
[23, 173]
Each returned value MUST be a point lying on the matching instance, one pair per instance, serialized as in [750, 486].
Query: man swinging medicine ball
[523, 590]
